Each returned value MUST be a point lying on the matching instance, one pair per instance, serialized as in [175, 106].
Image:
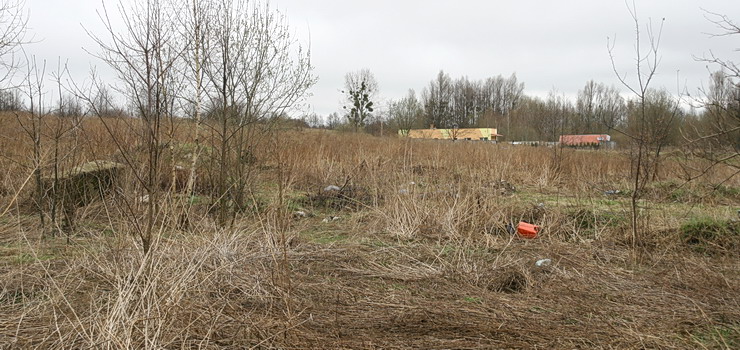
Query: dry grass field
[412, 251]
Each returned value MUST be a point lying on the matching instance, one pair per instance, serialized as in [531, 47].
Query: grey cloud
[549, 44]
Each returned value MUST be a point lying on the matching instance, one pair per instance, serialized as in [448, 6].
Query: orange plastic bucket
[528, 231]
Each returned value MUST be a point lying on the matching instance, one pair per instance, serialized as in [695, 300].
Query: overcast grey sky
[550, 45]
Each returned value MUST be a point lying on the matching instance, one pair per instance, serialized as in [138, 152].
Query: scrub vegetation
[410, 248]
[201, 215]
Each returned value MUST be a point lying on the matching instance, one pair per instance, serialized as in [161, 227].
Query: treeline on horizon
[496, 102]
[500, 102]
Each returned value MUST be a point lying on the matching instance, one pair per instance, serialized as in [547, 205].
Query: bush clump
[711, 236]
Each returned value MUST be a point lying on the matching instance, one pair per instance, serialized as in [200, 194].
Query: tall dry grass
[423, 251]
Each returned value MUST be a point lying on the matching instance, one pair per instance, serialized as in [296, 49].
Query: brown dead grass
[224, 291]
[420, 257]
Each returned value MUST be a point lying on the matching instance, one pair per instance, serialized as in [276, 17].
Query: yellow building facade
[476, 134]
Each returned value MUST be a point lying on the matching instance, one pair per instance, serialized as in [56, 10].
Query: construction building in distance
[594, 141]
[477, 134]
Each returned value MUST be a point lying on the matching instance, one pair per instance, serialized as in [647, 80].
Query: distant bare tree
[69, 106]
[102, 101]
[11, 100]
[465, 104]
[353, 81]
[599, 108]
[468, 103]
[313, 120]
[406, 112]
[529, 113]
[360, 90]
[333, 121]
[558, 111]
[437, 100]
[500, 96]
[661, 123]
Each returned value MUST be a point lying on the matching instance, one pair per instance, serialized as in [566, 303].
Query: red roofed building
[584, 140]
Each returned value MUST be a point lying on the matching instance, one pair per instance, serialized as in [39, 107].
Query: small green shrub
[707, 235]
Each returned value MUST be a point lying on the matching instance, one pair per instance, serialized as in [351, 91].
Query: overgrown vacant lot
[411, 250]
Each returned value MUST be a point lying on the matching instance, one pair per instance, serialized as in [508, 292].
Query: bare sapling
[646, 127]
